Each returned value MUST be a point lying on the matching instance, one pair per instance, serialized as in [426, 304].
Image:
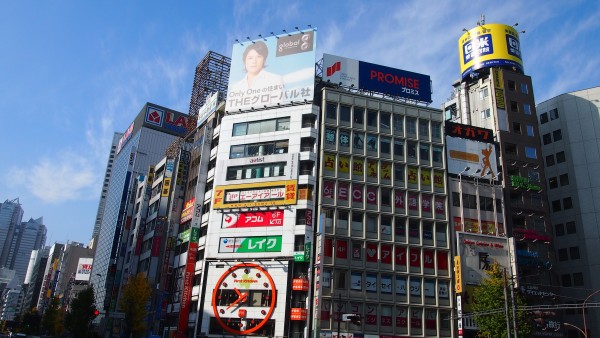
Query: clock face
[244, 298]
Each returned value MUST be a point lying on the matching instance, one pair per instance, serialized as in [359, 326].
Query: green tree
[489, 296]
[52, 321]
[30, 322]
[78, 320]
[136, 294]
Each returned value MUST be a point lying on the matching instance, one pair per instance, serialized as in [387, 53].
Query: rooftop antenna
[482, 21]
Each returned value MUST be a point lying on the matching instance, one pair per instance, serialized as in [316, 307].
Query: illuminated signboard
[187, 212]
[377, 78]
[208, 108]
[126, 136]
[255, 194]
[478, 253]
[490, 45]
[166, 119]
[250, 244]
[469, 146]
[84, 269]
[253, 219]
[271, 71]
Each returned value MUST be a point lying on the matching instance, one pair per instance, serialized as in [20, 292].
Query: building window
[556, 206]
[359, 115]
[516, 127]
[527, 108]
[560, 157]
[571, 229]
[486, 114]
[530, 152]
[563, 255]
[424, 152]
[512, 86]
[398, 147]
[345, 113]
[423, 129]
[552, 183]
[385, 145]
[436, 130]
[574, 252]
[547, 138]
[259, 149]
[411, 150]
[398, 123]
[578, 279]
[437, 154]
[566, 280]
[372, 118]
[564, 179]
[557, 134]
[549, 160]
[514, 106]
[384, 120]
[411, 126]
[510, 148]
[559, 230]
[553, 114]
[331, 112]
[483, 93]
[264, 126]
[543, 118]
[530, 130]
[371, 142]
[524, 88]
[567, 203]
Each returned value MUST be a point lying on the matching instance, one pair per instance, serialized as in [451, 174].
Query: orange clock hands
[242, 297]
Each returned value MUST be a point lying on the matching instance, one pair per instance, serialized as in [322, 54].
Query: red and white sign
[399, 199]
[386, 254]
[187, 212]
[426, 203]
[357, 193]
[343, 191]
[413, 201]
[428, 261]
[371, 195]
[371, 250]
[341, 249]
[328, 189]
[415, 257]
[253, 219]
[400, 255]
[328, 247]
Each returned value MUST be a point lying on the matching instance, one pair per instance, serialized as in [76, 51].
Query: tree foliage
[52, 321]
[135, 295]
[81, 313]
[30, 322]
[489, 296]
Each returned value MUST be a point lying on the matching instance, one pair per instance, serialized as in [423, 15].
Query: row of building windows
[387, 319]
[559, 229]
[575, 279]
[571, 253]
[553, 114]
[563, 179]
[382, 121]
[567, 203]
[513, 149]
[552, 158]
[383, 146]
[359, 224]
[383, 172]
[262, 126]
[514, 107]
[276, 169]
[259, 149]
[528, 129]
[552, 137]
[470, 202]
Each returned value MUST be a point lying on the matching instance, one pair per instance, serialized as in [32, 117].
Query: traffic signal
[351, 317]
[96, 313]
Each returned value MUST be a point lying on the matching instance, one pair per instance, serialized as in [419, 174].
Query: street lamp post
[584, 323]
[575, 327]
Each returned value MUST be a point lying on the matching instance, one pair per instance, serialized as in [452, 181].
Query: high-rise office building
[494, 98]
[142, 144]
[18, 239]
[104, 193]
[34, 277]
[569, 125]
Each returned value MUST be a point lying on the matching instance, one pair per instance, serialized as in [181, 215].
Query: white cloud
[66, 177]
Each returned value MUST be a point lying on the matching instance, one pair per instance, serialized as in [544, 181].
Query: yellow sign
[358, 166]
[251, 195]
[425, 177]
[457, 275]
[343, 164]
[329, 162]
[413, 175]
[498, 80]
[386, 170]
[372, 168]
[438, 179]
[489, 45]
[166, 187]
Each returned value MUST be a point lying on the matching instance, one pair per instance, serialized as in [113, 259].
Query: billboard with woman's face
[272, 71]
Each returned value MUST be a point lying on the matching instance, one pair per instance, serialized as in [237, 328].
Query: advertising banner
[489, 45]
[208, 108]
[377, 78]
[188, 211]
[250, 244]
[252, 219]
[271, 71]
[478, 253]
[463, 153]
[255, 194]
[401, 256]
[84, 269]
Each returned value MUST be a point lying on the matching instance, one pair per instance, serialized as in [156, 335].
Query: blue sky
[73, 72]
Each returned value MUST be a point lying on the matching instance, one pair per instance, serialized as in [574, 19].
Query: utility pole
[339, 312]
[514, 307]
[506, 303]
